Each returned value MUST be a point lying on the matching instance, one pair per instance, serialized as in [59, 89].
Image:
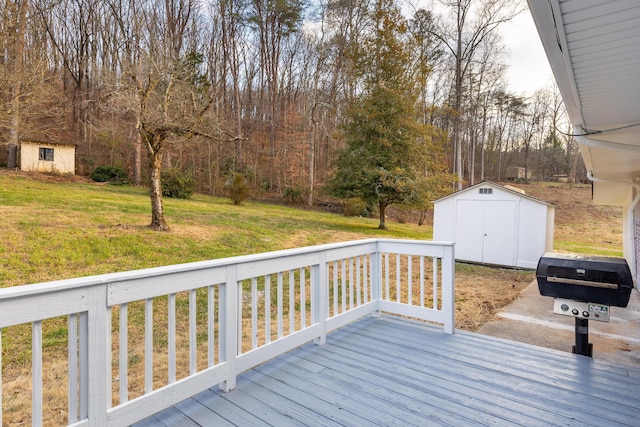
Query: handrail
[208, 321]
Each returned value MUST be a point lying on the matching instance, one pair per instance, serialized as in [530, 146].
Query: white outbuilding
[495, 224]
[37, 156]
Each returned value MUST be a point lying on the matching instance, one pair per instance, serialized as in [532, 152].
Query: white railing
[137, 342]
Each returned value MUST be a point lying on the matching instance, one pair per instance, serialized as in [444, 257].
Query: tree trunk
[312, 159]
[14, 137]
[457, 144]
[12, 161]
[483, 141]
[158, 222]
[575, 155]
[382, 207]
[137, 156]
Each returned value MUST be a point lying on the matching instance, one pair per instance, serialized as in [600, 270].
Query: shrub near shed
[112, 174]
[177, 184]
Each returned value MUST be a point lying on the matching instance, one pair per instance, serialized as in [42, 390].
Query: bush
[177, 184]
[111, 174]
[355, 206]
[293, 196]
[238, 188]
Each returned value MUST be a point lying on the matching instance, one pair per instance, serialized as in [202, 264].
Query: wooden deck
[390, 371]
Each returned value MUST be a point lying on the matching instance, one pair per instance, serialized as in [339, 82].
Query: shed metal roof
[497, 186]
[36, 142]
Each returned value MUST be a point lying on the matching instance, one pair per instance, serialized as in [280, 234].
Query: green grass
[587, 248]
[57, 230]
[60, 230]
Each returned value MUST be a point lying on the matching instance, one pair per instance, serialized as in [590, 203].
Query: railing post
[376, 277]
[99, 360]
[448, 292]
[232, 326]
[320, 297]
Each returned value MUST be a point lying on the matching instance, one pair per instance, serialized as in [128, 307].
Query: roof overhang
[593, 50]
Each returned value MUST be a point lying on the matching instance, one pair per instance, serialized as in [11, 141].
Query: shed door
[469, 230]
[485, 231]
[499, 232]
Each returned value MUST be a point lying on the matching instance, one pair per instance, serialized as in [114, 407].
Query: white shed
[38, 156]
[495, 224]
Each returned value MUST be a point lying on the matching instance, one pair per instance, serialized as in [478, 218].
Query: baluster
[36, 368]
[435, 283]
[422, 281]
[280, 286]
[148, 345]
[254, 312]
[365, 278]
[386, 277]
[358, 285]
[409, 280]
[172, 338]
[83, 344]
[267, 309]
[351, 298]
[398, 262]
[72, 381]
[292, 302]
[123, 349]
[303, 298]
[193, 364]
[336, 266]
[211, 325]
[343, 285]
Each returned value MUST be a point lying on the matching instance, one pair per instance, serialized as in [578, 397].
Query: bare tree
[71, 26]
[31, 104]
[536, 111]
[172, 94]
[273, 23]
[470, 22]
[127, 33]
[230, 15]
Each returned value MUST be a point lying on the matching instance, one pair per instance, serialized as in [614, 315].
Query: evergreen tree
[384, 157]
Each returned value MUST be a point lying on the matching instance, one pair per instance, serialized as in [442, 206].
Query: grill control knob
[575, 312]
[564, 307]
[585, 314]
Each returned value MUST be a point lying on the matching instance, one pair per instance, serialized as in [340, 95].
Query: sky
[529, 68]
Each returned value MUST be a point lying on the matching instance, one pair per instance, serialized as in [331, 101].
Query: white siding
[533, 233]
[63, 158]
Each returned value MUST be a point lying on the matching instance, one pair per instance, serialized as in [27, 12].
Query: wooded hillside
[262, 87]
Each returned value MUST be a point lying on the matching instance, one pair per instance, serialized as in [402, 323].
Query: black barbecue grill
[584, 287]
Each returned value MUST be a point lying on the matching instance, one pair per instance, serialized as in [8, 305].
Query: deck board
[391, 371]
[506, 372]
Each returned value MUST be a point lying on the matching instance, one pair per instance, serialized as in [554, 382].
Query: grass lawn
[68, 229]
[54, 228]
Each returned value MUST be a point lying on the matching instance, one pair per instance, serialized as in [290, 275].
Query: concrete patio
[530, 319]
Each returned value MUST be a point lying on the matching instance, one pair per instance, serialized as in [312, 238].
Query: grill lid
[595, 279]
